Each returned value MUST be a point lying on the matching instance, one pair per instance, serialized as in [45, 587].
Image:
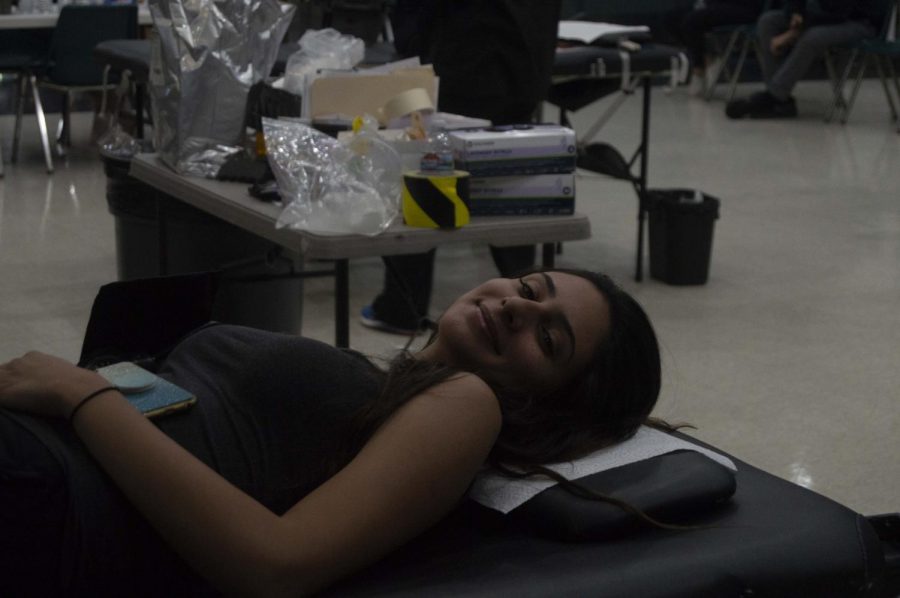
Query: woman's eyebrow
[563, 320]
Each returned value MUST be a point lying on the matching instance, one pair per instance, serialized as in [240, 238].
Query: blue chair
[883, 51]
[69, 65]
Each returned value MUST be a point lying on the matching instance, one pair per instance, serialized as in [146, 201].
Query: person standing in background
[494, 59]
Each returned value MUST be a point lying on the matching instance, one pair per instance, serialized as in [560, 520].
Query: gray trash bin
[258, 285]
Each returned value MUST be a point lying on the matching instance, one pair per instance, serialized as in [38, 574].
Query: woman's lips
[490, 328]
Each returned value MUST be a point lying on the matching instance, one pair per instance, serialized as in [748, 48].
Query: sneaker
[368, 319]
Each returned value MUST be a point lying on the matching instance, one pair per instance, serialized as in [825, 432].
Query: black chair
[20, 52]
[740, 39]
[69, 66]
[883, 50]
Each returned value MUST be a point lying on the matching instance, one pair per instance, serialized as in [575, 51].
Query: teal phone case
[152, 395]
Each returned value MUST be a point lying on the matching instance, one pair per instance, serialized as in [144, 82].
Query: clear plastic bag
[328, 186]
[205, 56]
[321, 49]
[113, 140]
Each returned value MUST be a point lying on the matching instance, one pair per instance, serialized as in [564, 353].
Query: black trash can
[681, 232]
[258, 285]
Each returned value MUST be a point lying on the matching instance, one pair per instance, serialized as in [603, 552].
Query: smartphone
[152, 395]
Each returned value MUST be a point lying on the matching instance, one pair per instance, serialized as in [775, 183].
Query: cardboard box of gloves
[518, 170]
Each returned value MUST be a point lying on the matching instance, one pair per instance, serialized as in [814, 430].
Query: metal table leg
[342, 303]
[549, 257]
[642, 180]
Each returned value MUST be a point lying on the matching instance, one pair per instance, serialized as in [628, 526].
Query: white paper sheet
[505, 494]
[589, 31]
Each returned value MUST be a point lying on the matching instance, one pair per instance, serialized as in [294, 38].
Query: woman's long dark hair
[602, 406]
[605, 404]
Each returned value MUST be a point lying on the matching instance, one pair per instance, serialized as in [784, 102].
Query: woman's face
[523, 334]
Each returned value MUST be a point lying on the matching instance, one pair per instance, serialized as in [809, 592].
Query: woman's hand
[42, 384]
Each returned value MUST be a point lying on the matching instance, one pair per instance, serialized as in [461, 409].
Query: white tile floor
[789, 357]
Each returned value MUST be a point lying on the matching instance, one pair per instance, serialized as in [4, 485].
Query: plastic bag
[333, 187]
[321, 49]
[113, 140]
[205, 56]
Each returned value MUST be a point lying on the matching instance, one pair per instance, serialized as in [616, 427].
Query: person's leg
[810, 46]
[406, 295]
[512, 261]
[770, 24]
[692, 31]
[762, 104]
[33, 507]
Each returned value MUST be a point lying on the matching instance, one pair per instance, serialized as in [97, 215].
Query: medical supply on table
[514, 150]
[523, 195]
[436, 200]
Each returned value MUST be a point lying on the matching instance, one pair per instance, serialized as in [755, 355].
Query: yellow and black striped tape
[436, 200]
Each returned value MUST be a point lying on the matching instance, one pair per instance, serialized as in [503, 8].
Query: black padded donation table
[772, 538]
[231, 203]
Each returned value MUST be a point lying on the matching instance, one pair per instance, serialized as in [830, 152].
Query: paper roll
[407, 102]
[436, 200]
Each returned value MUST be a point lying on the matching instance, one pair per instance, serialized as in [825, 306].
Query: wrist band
[83, 401]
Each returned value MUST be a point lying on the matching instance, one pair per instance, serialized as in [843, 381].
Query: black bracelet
[83, 401]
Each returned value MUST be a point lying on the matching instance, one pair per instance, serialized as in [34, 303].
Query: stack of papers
[589, 32]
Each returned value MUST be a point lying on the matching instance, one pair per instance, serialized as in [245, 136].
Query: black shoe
[761, 105]
[737, 108]
[774, 108]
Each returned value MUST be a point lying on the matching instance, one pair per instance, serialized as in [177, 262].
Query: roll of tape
[436, 200]
[411, 100]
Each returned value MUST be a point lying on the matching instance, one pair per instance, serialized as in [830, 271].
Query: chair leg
[859, 77]
[838, 104]
[20, 109]
[723, 64]
[42, 123]
[732, 86]
[64, 126]
[884, 85]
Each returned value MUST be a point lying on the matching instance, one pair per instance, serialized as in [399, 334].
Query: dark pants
[781, 73]
[67, 530]
[33, 508]
[697, 23]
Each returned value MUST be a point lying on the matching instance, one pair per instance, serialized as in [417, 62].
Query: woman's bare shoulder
[467, 395]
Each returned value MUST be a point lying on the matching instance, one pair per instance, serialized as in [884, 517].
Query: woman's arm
[410, 473]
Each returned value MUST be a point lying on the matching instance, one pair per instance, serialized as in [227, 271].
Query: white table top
[47, 20]
[231, 202]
